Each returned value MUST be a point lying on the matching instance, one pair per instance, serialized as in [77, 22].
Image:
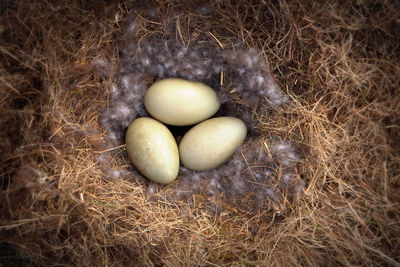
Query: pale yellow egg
[211, 143]
[153, 150]
[180, 102]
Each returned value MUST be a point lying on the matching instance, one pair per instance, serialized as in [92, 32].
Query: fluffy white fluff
[250, 172]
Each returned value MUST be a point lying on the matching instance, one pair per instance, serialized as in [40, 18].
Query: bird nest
[262, 171]
[315, 182]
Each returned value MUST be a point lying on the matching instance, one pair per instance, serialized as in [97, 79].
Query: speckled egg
[153, 150]
[211, 143]
[180, 102]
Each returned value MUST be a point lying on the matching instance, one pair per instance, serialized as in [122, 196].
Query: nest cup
[261, 170]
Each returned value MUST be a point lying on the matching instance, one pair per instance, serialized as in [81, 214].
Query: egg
[152, 150]
[180, 102]
[211, 143]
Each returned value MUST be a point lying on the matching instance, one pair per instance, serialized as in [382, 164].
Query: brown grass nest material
[338, 62]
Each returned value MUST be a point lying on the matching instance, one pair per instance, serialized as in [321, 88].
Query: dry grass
[337, 61]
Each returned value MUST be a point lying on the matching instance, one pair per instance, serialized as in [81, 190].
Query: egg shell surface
[153, 150]
[180, 102]
[211, 143]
